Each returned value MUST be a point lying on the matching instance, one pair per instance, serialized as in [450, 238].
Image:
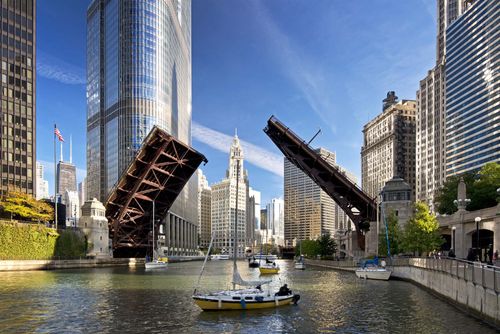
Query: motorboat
[159, 263]
[299, 263]
[377, 273]
[270, 267]
[220, 257]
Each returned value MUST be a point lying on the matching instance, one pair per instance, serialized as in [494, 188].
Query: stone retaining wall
[19, 265]
[478, 299]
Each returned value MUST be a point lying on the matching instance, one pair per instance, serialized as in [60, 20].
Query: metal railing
[476, 272]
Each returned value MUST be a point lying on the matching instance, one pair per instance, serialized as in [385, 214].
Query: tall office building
[309, 211]
[275, 232]
[138, 75]
[430, 116]
[389, 146]
[82, 191]
[72, 203]
[66, 177]
[253, 216]
[42, 185]
[17, 95]
[224, 198]
[204, 210]
[473, 89]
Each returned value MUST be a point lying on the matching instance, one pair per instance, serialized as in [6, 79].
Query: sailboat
[370, 268]
[299, 263]
[157, 262]
[270, 266]
[250, 297]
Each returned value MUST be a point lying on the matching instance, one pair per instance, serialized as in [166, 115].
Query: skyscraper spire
[70, 149]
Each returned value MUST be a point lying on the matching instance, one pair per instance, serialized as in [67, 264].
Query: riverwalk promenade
[473, 287]
[20, 265]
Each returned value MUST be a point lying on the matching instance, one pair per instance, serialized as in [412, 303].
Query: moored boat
[219, 257]
[160, 263]
[269, 268]
[374, 273]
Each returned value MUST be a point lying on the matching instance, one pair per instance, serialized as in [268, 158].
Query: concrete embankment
[473, 288]
[21, 265]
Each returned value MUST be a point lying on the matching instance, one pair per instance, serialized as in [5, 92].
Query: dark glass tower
[139, 75]
[17, 94]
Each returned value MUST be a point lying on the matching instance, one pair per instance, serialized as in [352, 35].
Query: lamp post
[477, 220]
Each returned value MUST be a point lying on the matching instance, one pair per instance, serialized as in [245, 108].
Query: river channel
[132, 300]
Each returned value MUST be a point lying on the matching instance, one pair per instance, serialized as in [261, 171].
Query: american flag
[58, 134]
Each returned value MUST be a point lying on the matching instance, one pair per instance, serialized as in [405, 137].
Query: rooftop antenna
[317, 133]
[70, 149]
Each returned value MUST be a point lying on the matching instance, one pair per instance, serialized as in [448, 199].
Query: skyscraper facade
[430, 116]
[204, 210]
[275, 233]
[473, 89]
[138, 75]
[17, 95]
[309, 211]
[42, 185]
[226, 195]
[389, 146]
[66, 177]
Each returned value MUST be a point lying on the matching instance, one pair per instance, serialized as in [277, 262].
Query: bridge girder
[360, 207]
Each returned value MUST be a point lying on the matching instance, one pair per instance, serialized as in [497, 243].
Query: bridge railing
[476, 272]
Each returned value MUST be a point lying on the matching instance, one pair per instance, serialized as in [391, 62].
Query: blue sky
[314, 64]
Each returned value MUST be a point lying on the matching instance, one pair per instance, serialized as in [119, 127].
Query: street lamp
[477, 220]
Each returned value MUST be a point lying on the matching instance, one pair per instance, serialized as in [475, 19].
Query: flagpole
[55, 179]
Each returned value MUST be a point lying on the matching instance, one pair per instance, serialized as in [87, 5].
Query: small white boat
[219, 257]
[374, 273]
[160, 263]
[299, 263]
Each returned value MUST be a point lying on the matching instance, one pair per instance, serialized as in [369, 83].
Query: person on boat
[274, 264]
[268, 261]
[258, 287]
[284, 291]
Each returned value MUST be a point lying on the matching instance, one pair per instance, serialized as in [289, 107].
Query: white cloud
[53, 68]
[300, 68]
[253, 154]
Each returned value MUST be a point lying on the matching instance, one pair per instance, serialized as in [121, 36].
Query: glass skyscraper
[138, 75]
[17, 96]
[473, 88]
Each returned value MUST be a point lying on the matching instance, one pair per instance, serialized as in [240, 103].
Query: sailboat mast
[235, 242]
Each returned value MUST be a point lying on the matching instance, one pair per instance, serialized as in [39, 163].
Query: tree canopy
[421, 232]
[481, 189]
[24, 206]
[324, 246]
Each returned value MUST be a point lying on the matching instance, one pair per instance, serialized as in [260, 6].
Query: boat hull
[156, 265]
[377, 274]
[300, 266]
[214, 304]
[267, 271]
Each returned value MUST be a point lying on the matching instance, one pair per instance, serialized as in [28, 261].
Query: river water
[131, 300]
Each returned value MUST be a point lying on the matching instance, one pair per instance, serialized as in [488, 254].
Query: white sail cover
[240, 281]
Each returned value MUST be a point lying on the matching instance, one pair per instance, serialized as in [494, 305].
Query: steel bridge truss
[360, 208]
[159, 171]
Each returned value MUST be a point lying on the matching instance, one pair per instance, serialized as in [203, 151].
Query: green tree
[394, 234]
[484, 190]
[326, 245]
[421, 232]
[310, 248]
[23, 206]
[448, 192]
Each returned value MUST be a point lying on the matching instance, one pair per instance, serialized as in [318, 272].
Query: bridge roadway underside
[359, 207]
[154, 179]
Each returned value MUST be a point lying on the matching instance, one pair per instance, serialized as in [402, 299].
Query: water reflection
[123, 300]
